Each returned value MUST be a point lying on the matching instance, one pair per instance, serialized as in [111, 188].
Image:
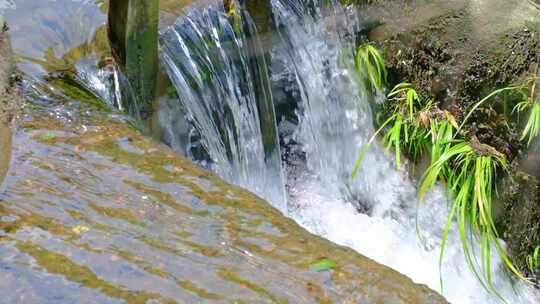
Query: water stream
[222, 82]
[375, 214]
[219, 70]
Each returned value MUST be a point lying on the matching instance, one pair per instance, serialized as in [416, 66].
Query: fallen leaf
[80, 229]
[322, 265]
[47, 136]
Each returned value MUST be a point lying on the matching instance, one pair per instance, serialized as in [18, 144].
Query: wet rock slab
[92, 212]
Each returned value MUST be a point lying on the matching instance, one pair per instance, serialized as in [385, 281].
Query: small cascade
[220, 73]
[65, 54]
[89, 81]
[106, 82]
[376, 213]
[218, 68]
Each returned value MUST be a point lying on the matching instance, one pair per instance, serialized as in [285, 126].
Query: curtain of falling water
[216, 64]
[335, 120]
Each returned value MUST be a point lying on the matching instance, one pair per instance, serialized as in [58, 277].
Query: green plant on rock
[469, 169]
[485, 99]
[370, 65]
[405, 96]
[531, 104]
[533, 260]
[442, 134]
[442, 130]
[406, 128]
[532, 128]
[417, 141]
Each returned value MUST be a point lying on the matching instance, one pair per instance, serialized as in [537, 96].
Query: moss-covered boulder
[9, 101]
[456, 53]
[463, 52]
[521, 193]
[6, 70]
[93, 212]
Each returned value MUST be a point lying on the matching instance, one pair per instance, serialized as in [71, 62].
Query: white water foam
[335, 121]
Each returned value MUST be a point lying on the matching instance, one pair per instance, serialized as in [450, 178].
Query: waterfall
[375, 214]
[218, 68]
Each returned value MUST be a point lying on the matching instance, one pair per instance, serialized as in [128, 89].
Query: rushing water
[221, 79]
[92, 211]
[335, 122]
[213, 61]
[64, 51]
[375, 214]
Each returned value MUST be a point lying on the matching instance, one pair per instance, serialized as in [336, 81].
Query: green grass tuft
[407, 127]
[371, 67]
[530, 104]
[442, 133]
[532, 128]
[533, 260]
[469, 170]
[404, 95]
[467, 167]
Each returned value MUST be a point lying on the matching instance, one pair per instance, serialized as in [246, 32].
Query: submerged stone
[93, 220]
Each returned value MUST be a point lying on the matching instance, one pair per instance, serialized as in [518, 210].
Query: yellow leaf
[451, 119]
[80, 229]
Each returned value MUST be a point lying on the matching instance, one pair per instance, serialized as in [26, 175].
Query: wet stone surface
[100, 214]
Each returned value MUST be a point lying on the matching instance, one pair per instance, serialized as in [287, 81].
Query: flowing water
[92, 211]
[218, 69]
[70, 54]
[335, 121]
[212, 60]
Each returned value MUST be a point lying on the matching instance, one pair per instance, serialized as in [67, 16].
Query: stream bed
[91, 211]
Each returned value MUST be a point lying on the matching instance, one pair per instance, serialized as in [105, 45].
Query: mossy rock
[521, 222]
[456, 53]
[448, 64]
[10, 101]
[99, 212]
